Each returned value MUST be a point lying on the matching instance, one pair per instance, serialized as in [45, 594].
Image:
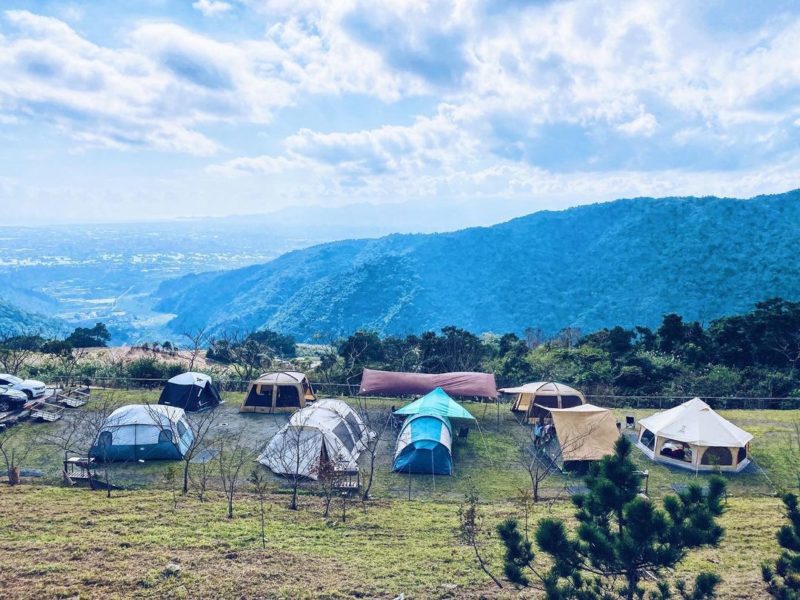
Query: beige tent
[584, 432]
[693, 436]
[532, 398]
[281, 391]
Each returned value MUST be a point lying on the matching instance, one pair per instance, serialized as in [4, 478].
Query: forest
[754, 354]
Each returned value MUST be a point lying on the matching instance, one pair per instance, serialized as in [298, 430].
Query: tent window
[181, 428]
[355, 427]
[676, 451]
[260, 395]
[717, 455]
[741, 455]
[164, 436]
[648, 439]
[548, 401]
[570, 401]
[343, 433]
[287, 396]
[104, 439]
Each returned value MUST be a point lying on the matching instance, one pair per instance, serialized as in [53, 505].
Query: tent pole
[409, 481]
[433, 473]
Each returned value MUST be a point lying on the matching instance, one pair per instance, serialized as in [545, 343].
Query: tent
[532, 398]
[426, 437]
[313, 435]
[191, 392]
[345, 411]
[143, 432]
[438, 403]
[424, 445]
[389, 383]
[584, 432]
[693, 436]
[282, 391]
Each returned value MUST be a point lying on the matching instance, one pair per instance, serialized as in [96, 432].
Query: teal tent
[424, 446]
[426, 437]
[438, 403]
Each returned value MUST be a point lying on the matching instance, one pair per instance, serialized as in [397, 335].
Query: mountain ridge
[626, 261]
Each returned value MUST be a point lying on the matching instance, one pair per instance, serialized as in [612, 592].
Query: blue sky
[154, 109]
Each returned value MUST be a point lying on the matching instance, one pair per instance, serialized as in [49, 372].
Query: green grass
[59, 542]
[64, 543]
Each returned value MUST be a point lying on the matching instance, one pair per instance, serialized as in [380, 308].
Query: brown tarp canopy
[390, 383]
[585, 432]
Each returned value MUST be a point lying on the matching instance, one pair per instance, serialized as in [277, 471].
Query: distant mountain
[625, 262]
[15, 320]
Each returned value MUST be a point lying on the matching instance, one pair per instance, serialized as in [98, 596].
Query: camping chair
[630, 422]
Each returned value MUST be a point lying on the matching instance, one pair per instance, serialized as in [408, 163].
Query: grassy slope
[79, 542]
[76, 542]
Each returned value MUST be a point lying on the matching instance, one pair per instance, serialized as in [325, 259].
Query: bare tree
[297, 452]
[16, 349]
[169, 477]
[197, 339]
[234, 454]
[68, 362]
[534, 337]
[541, 456]
[16, 444]
[248, 358]
[201, 425]
[377, 424]
[326, 480]
[470, 529]
[260, 483]
[94, 422]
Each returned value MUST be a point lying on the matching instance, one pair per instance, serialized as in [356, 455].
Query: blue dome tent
[426, 437]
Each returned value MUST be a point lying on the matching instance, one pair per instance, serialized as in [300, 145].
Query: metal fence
[348, 389]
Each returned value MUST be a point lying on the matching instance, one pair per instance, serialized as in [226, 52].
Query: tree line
[756, 353]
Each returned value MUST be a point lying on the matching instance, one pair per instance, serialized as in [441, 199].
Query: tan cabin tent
[584, 432]
[693, 436]
[532, 399]
[280, 391]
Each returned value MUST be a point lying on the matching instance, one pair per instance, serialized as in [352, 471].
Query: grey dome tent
[143, 432]
[191, 392]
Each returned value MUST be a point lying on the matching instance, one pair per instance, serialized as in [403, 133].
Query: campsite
[126, 542]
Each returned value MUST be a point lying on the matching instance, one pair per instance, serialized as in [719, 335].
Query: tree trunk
[13, 476]
[365, 495]
[185, 489]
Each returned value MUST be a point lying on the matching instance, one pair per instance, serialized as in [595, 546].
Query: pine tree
[518, 554]
[622, 535]
[783, 580]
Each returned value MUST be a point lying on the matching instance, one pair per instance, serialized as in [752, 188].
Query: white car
[31, 387]
[11, 399]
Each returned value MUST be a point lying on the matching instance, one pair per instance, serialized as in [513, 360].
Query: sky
[120, 110]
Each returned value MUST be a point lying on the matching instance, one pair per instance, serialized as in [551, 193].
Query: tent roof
[191, 378]
[695, 422]
[550, 388]
[144, 414]
[458, 384]
[436, 403]
[281, 378]
[321, 416]
[581, 408]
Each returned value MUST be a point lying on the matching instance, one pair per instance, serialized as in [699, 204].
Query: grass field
[59, 542]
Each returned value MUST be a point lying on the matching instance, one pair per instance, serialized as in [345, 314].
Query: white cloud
[467, 98]
[211, 8]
